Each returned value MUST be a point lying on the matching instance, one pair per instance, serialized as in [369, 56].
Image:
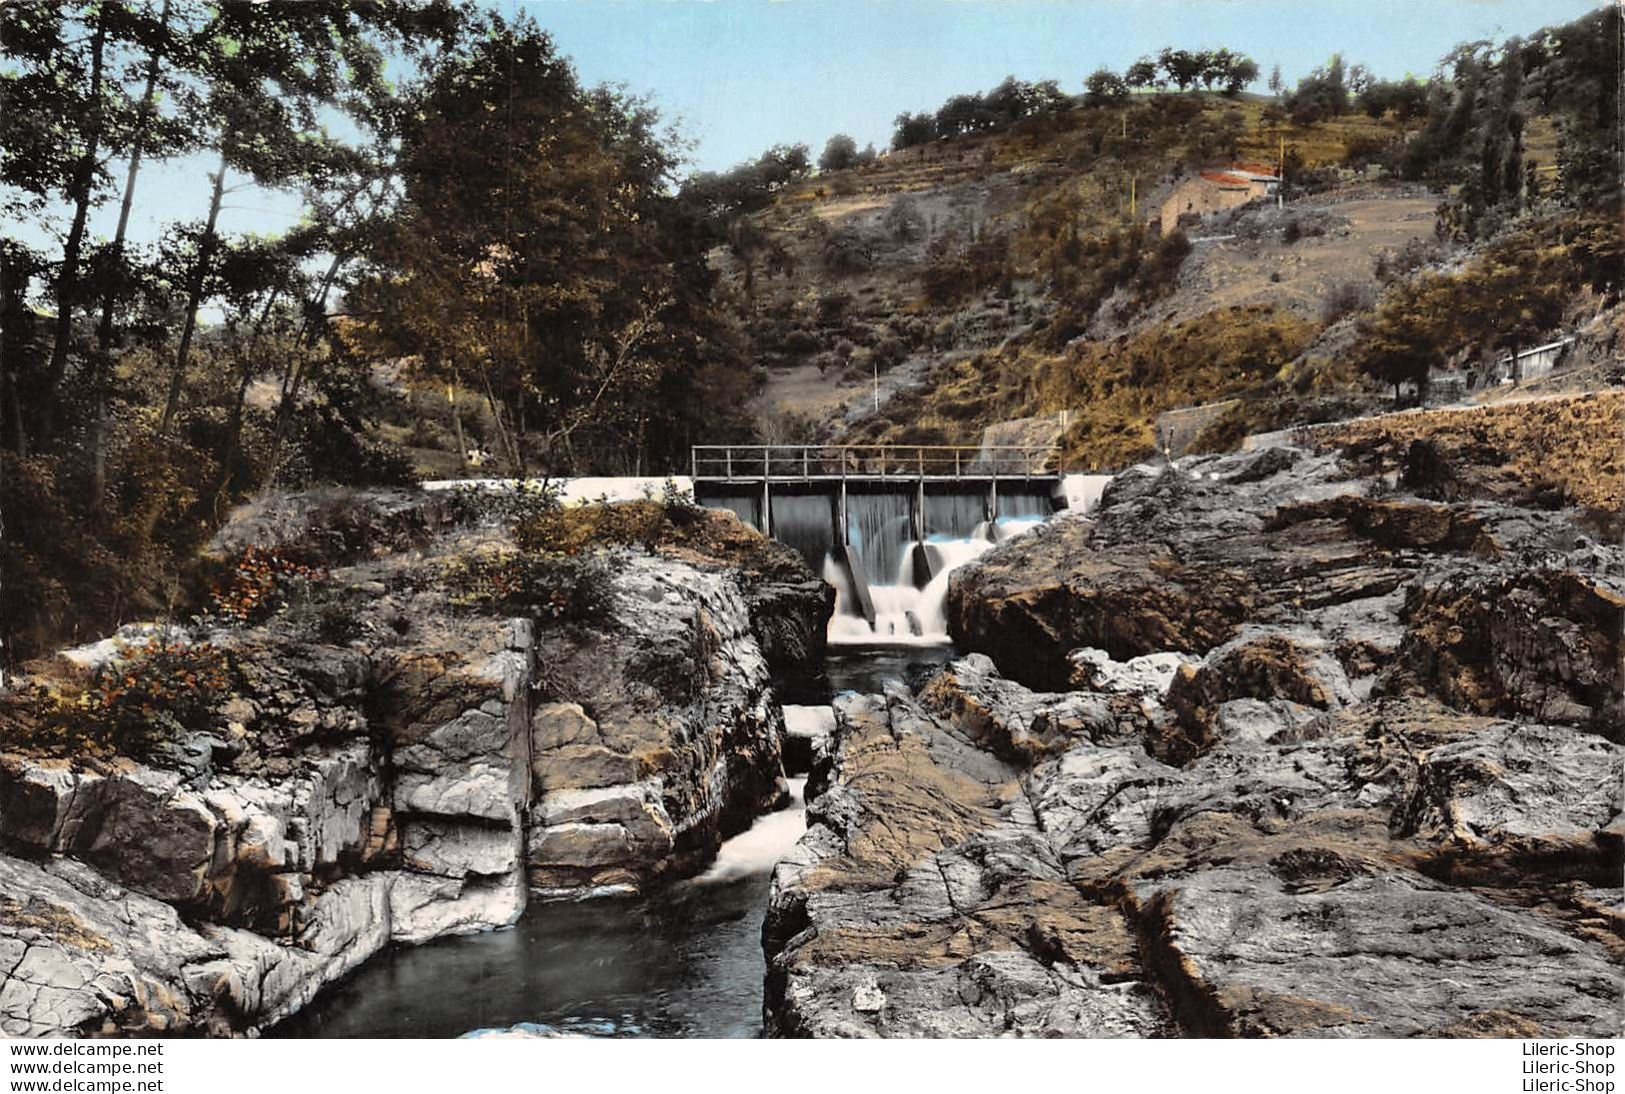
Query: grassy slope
[1569, 447]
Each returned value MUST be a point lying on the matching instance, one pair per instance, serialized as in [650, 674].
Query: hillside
[932, 255]
[1022, 271]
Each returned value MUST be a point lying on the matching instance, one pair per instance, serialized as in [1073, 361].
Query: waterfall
[893, 558]
[746, 505]
[877, 527]
[955, 515]
[906, 614]
[807, 523]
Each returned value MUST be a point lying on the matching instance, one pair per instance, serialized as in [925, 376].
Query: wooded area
[473, 217]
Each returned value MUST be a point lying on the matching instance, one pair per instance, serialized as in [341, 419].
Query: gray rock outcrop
[393, 766]
[1258, 748]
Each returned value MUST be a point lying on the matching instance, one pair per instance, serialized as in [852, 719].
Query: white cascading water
[758, 849]
[904, 614]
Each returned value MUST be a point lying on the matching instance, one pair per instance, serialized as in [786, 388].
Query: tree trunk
[194, 300]
[504, 437]
[291, 387]
[457, 425]
[102, 362]
[10, 396]
[79, 191]
[234, 427]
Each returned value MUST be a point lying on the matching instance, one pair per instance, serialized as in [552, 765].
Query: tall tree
[112, 269]
[538, 257]
[840, 152]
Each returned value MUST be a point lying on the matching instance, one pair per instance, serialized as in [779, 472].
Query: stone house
[1213, 190]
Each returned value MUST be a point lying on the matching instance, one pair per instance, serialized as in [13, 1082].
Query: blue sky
[740, 75]
[744, 74]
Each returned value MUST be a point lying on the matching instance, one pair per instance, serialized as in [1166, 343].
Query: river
[686, 962]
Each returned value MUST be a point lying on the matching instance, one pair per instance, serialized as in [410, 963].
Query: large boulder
[926, 900]
[1384, 868]
[663, 737]
[397, 762]
[1368, 782]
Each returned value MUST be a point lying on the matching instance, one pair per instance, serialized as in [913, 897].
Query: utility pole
[1280, 176]
[1133, 197]
[876, 363]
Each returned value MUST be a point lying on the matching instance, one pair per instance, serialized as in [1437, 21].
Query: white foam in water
[812, 722]
[759, 849]
[895, 603]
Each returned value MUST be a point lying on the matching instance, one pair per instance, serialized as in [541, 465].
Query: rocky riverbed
[396, 763]
[1270, 744]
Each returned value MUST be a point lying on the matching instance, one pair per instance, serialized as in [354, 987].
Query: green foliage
[1323, 93]
[840, 153]
[954, 277]
[566, 556]
[503, 505]
[1513, 293]
[1120, 387]
[847, 250]
[749, 187]
[1405, 100]
[1476, 109]
[557, 275]
[678, 506]
[1086, 271]
[1343, 299]
[913, 129]
[1105, 88]
[1212, 69]
[1011, 101]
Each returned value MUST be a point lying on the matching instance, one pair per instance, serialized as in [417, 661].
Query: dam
[884, 524]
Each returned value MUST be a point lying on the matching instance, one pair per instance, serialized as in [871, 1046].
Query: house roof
[1225, 178]
[1263, 170]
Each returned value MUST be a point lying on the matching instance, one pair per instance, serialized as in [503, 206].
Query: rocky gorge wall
[1264, 746]
[393, 766]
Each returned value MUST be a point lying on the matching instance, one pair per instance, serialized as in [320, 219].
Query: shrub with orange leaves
[258, 585]
[146, 694]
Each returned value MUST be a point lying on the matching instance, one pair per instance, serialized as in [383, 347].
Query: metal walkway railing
[802, 462]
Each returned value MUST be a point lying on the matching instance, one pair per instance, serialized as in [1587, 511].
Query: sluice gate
[875, 519]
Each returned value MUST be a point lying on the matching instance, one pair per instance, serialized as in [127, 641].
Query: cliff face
[1306, 756]
[427, 776]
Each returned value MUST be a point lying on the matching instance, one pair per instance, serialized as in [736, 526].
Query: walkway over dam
[879, 515]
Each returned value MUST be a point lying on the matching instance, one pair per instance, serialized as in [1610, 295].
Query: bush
[678, 506]
[146, 695]
[832, 307]
[570, 588]
[947, 282]
[1391, 266]
[504, 505]
[260, 582]
[847, 251]
[1344, 299]
[903, 220]
[840, 152]
[1159, 273]
[800, 342]
[889, 353]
